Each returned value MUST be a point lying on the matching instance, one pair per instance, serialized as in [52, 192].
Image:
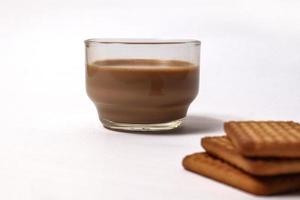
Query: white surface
[51, 143]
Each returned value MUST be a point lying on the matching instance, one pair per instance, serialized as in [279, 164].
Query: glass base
[141, 127]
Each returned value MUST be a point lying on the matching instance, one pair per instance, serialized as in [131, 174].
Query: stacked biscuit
[260, 157]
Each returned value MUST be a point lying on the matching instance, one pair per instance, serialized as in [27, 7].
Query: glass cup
[142, 84]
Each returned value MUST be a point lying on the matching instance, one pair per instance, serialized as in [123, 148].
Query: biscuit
[222, 148]
[209, 166]
[265, 138]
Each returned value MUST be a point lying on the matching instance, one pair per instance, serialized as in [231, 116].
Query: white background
[51, 143]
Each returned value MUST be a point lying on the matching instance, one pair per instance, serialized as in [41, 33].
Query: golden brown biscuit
[222, 148]
[209, 166]
[265, 138]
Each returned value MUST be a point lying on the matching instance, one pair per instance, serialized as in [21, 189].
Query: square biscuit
[265, 138]
[223, 148]
[211, 167]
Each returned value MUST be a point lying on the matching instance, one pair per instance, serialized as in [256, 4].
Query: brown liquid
[141, 90]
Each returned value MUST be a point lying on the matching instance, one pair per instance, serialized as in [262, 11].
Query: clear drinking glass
[142, 84]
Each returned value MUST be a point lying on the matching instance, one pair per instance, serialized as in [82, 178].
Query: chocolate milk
[142, 91]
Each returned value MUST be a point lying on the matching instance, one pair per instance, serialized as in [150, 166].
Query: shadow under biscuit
[291, 194]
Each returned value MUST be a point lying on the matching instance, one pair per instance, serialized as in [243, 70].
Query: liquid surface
[142, 90]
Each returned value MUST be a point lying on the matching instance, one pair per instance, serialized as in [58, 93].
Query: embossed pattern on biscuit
[265, 138]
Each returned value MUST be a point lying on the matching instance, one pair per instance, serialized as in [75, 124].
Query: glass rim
[137, 41]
